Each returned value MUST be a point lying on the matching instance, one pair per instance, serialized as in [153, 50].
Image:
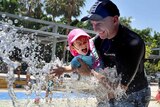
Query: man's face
[105, 27]
[81, 45]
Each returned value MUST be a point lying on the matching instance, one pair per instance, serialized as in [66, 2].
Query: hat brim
[94, 17]
[77, 36]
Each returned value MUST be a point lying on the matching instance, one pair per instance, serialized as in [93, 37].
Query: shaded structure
[48, 33]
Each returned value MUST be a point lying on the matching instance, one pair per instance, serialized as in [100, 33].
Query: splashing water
[10, 38]
[108, 87]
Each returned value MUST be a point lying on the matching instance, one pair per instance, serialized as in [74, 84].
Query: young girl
[81, 46]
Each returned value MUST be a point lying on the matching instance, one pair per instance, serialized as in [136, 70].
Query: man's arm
[131, 62]
[84, 68]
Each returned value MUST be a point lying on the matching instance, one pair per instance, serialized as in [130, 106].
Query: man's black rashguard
[126, 51]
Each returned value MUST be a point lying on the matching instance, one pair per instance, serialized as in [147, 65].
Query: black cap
[101, 9]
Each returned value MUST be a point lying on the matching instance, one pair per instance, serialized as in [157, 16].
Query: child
[158, 96]
[81, 46]
[37, 100]
[158, 93]
[49, 89]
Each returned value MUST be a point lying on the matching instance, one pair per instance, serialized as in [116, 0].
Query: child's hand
[57, 71]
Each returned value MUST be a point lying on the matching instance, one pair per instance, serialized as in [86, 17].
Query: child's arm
[68, 68]
[76, 65]
[60, 70]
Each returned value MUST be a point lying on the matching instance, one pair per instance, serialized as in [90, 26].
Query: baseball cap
[101, 9]
[73, 35]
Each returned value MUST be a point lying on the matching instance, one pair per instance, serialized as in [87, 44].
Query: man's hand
[84, 69]
[99, 76]
[124, 87]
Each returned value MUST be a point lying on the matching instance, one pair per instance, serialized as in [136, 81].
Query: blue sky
[145, 13]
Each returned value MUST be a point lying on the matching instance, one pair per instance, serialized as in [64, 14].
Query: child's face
[81, 45]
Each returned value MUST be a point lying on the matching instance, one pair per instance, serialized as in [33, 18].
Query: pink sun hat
[73, 35]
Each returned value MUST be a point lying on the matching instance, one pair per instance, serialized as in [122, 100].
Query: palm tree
[31, 8]
[65, 8]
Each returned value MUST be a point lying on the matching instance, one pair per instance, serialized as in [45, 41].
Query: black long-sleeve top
[126, 51]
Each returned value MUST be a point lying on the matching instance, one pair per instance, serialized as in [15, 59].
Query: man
[118, 46]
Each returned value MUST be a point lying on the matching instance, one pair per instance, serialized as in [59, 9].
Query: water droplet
[3, 15]
[10, 22]
[15, 21]
[26, 17]
[1, 28]
[20, 15]
[21, 27]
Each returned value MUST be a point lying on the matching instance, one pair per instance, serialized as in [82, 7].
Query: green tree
[126, 21]
[31, 8]
[157, 37]
[10, 6]
[64, 8]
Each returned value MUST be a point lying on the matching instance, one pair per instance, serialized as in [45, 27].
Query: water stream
[88, 90]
